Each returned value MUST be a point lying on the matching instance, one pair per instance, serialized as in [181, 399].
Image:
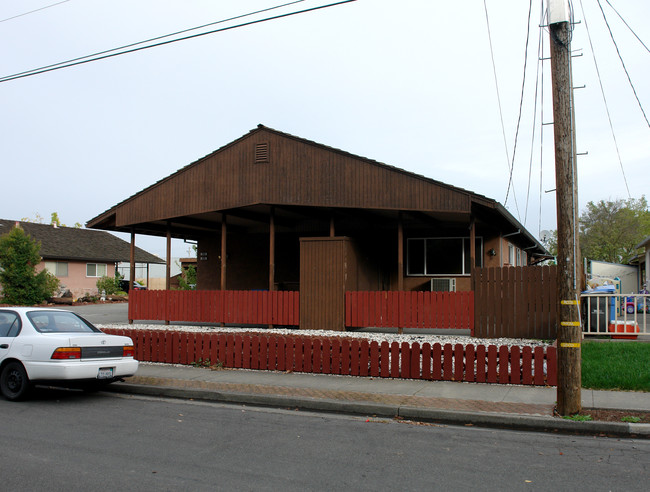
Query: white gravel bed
[370, 336]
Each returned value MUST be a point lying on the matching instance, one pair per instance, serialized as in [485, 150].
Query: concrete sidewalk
[521, 407]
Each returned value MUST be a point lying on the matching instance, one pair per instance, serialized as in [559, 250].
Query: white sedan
[57, 347]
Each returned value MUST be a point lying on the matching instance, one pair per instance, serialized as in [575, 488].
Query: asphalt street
[74, 441]
[102, 313]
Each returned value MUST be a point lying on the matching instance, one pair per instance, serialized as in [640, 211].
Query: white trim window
[511, 255]
[57, 268]
[441, 256]
[95, 269]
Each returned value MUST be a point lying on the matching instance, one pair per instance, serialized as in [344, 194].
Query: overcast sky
[409, 83]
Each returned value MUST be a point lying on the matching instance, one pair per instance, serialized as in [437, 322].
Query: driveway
[103, 313]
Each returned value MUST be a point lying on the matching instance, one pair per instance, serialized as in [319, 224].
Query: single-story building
[78, 257]
[273, 211]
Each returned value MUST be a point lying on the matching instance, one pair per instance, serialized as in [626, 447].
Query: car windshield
[59, 322]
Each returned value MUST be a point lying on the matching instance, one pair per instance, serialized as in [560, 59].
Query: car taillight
[128, 351]
[67, 353]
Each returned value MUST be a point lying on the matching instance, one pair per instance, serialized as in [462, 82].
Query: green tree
[187, 280]
[19, 255]
[55, 220]
[610, 230]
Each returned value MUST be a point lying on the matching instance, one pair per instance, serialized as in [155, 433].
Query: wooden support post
[271, 252]
[568, 252]
[332, 229]
[224, 231]
[400, 259]
[472, 243]
[168, 264]
[400, 253]
[131, 264]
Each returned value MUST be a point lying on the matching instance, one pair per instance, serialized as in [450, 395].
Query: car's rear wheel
[14, 383]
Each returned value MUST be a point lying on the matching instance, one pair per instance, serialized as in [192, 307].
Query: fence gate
[517, 302]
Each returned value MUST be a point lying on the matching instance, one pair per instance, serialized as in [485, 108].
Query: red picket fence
[216, 306]
[355, 357]
[410, 309]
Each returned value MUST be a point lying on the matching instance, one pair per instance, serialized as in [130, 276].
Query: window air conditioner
[443, 285]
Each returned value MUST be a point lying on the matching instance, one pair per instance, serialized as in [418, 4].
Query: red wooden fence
[356, 357]
[410, 309]
[216, 306]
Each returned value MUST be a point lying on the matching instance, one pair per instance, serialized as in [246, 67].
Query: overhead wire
[107, 54]
[496, 84]
[602, 92]
[521, 104]
[611, 35]
[33, 11]
[628, 26]
[532, 143]
[154, 39]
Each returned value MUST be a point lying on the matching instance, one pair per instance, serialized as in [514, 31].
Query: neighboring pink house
[78, 257]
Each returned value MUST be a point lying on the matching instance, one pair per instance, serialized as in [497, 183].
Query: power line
[627, 25]
[623, 63]
[521, 104]
[535, 97]
[496, 84]
[32, 11]
[111, 55]
[602, 91]
[66, 62]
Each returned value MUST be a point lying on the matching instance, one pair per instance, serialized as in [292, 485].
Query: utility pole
[569, 335]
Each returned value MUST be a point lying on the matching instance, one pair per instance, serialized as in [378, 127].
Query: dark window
[441, 256]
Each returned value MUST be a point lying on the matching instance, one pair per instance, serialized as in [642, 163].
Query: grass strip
[616, 365]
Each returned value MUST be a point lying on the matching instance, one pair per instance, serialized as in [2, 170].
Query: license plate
[105, 373]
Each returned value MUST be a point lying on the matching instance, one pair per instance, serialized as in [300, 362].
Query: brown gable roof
[69, 243]
[296, 177]
[294, 172]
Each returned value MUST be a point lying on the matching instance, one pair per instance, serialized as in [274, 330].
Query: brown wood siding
[298, 174]
[515, 302]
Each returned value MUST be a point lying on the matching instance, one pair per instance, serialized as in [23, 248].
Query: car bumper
[79, 369]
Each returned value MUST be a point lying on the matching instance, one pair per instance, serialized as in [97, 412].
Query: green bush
[110, 285]
[19, 255]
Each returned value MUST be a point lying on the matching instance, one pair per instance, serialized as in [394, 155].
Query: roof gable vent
[261, 153]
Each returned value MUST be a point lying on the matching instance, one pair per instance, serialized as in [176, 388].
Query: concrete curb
[525, 422]
[423, 414]
[276, 401]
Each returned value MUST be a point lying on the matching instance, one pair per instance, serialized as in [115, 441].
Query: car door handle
[4, 345]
